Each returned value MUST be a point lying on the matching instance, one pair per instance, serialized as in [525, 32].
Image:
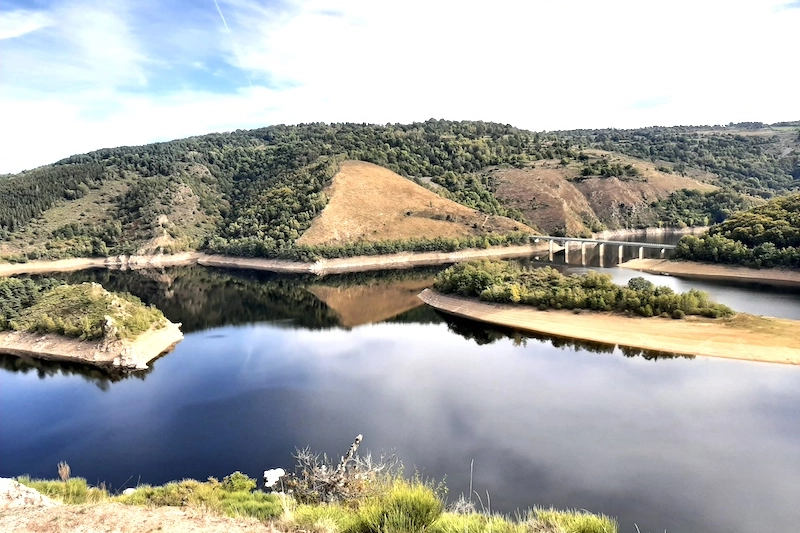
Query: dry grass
[371, 203]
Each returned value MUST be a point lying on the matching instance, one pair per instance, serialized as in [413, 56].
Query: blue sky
[79, 75]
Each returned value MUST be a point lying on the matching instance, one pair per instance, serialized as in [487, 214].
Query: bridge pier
[583, 254]
[551, 250]
[602, 252]
[566, 252]
[620, 254]
[641, 252]
[663, 253]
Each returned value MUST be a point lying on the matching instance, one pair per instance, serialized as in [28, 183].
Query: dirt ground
[371, 203]
[745, 336]
[23, 509]
[118, 518]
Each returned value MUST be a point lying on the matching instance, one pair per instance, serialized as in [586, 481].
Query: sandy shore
[124, 262]
[691, 269]
[322, 267]
[744, 337]
[120, 355]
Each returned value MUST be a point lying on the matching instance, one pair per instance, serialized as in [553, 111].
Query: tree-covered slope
[765, 236]
[255, 192]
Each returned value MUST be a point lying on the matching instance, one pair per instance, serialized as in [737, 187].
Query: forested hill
[255, 192]
[766, 236]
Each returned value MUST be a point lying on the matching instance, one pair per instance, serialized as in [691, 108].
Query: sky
[79, 75]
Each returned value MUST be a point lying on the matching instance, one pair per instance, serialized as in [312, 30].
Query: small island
[81, 323]
[590, 307]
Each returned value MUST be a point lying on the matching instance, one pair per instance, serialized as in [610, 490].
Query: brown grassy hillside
[371, 203]
[555, 197]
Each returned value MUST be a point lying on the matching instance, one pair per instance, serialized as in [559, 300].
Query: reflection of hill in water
[374, 301]
[45, 369]
[485, 334]
[202, 298]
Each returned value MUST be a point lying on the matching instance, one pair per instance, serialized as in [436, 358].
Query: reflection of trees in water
[202, 298]
[483, 334]
[45, 369]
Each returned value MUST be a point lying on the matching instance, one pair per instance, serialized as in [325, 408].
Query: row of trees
[547, 288]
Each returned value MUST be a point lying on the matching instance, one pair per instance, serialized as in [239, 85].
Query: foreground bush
[232, 497]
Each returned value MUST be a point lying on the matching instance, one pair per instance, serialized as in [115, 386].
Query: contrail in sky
[233, 43]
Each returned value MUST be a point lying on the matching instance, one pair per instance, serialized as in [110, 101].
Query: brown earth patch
[371, 203]
[118, 518]
[555, 197]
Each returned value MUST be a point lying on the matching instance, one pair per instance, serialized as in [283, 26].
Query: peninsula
[82, 324]
[590, 307]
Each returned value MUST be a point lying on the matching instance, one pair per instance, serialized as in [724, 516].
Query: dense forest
[546, 288]
[764, 236]
[253, 193]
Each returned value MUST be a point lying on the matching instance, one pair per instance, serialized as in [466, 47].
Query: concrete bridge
[583, 243]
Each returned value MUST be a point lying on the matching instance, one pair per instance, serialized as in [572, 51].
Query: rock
[128, 491]
[14, 494]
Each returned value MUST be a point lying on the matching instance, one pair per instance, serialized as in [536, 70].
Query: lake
[272, 363]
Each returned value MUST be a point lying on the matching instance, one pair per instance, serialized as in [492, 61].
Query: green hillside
[255, 192]
[765, 236]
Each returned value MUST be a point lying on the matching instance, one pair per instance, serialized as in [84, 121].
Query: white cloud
[20, 22]
[83, 82]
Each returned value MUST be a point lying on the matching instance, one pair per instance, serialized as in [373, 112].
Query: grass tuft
[570, 521]
[72, 491]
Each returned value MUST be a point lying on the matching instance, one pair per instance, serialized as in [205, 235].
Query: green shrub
[238, 482]
[677, 314]
[211, 495]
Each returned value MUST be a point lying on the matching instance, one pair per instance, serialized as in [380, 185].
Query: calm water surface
[665, 443]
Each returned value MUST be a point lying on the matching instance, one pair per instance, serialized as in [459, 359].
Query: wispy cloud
[20, 22]
[791, 5]
[89, 73]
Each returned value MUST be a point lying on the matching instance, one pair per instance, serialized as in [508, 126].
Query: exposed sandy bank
[322, 267]
[121, 355]
[691, 269]
[417, 259]
[612, 234]
[132, 262]
[743, 337]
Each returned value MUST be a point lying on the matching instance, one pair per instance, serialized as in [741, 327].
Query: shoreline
[120, 355]
[744, 337]
[697, 270]
[320, 267]
[611, 234]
